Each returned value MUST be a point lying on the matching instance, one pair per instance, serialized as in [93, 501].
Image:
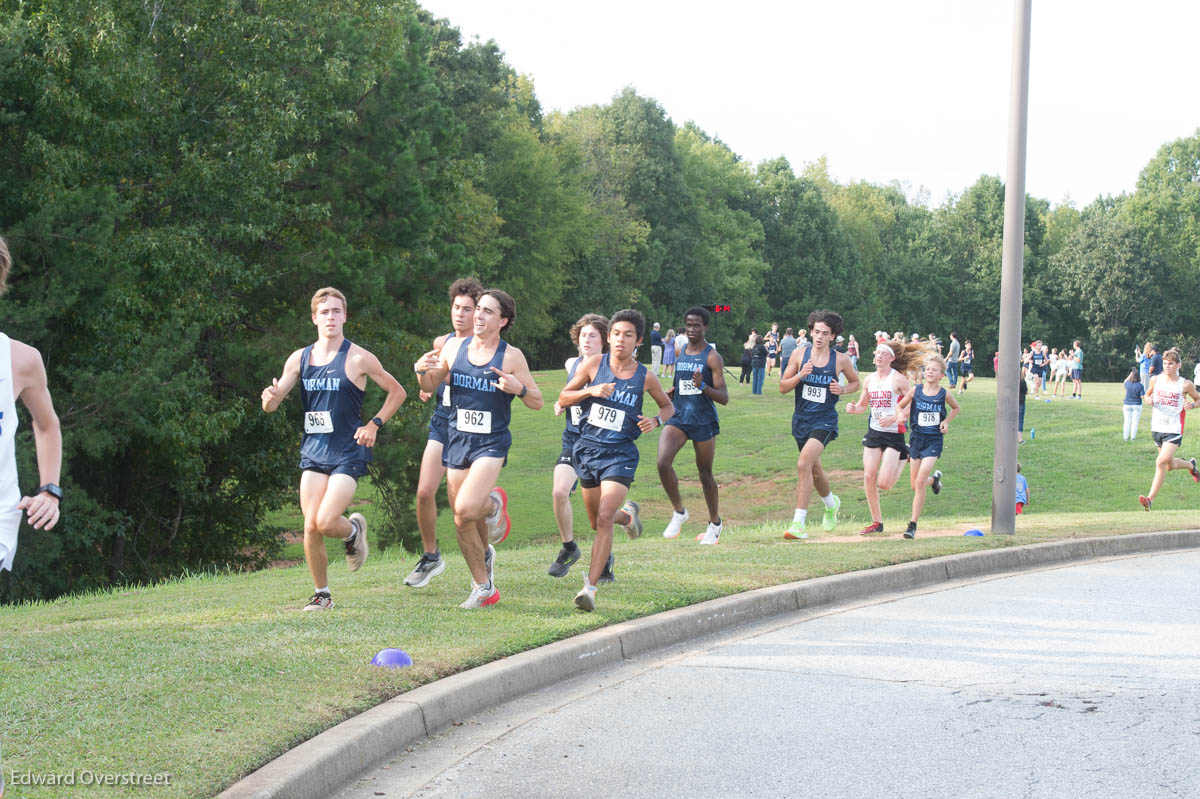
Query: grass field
[208, 677]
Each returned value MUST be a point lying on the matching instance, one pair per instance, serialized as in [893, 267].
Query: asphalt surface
[1078, 680]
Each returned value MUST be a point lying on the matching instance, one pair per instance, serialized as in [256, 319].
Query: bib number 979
[605, 417]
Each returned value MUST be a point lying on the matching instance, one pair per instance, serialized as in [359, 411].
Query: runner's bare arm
[433, 367]
[31, 387]
[515, 378]
[366, 363]
[717, 391]
[577, 389]
[953, 403]
[274, 394]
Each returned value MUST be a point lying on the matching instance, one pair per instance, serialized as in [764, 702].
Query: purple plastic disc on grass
[391, 659]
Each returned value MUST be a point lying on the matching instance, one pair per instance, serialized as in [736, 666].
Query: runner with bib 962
[485, 374]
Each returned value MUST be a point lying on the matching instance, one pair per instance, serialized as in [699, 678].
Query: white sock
[588, 586]
[830, 500]
[324, 590]
[801, 515]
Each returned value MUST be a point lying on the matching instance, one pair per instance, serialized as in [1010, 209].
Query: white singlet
[882, 397]
[10, 490]
[1168, 405]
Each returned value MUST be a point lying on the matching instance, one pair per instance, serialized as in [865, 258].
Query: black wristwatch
[378, 422]
[51, 489]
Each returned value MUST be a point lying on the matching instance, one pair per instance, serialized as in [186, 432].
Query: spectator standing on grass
[1142, 354]
[656, 349]
[1156, 362]
[952, 359]
[852, 352]
[787, 345]
[1131, 409]
[668, 359]
[758, 362]
[1077, 371]
[747, 356]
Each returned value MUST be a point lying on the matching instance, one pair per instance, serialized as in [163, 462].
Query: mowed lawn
[207, 678]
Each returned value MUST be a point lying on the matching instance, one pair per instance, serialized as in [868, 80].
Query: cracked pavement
[1080, 681]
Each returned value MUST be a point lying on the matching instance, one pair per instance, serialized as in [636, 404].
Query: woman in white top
[1171, 397]
[886, 393]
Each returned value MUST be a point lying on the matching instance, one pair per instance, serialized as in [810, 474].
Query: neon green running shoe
[795, 531]
[830, 520]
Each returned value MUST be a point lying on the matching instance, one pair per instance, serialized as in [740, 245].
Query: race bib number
[318, 422]
[687, 388]
[606, 417]
[470, 421]
[814, 393]
[446, 397]
[929, 418]
[576, 415]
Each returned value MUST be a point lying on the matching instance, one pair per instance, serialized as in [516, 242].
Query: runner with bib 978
[485, 374]
[929, 423]
[606, 455]
[815, 375]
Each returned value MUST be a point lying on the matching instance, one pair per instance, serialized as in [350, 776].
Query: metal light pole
[1004, 465]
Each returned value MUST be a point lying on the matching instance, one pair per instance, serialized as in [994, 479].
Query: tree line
[179, 179]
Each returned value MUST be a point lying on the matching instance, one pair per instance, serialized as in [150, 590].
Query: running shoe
[937, 482]
[676, 524]
[1195, 472]
[356, 544]
[830, 520]
[872, 528]
[481, 597]
[586, 598]
[498, 523]
[795, 531]
[634, 528]
[428, 567]
[607, 575]
[1145, 502]
[320, 601]
[566, 558]
[712, 534]
[911, 530]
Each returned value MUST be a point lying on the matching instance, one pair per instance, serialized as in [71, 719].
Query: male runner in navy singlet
[464, 293]
[699, 383]
[815, 419]
[606, 455]
[335, 449]
[485, 374]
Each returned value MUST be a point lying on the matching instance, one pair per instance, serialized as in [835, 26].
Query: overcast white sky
[916, 91]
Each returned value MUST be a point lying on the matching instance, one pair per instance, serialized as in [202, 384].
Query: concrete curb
[324, 765]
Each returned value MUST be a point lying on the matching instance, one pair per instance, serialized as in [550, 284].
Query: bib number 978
[929, 418]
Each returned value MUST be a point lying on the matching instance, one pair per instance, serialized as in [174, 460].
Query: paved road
[1082, 681]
